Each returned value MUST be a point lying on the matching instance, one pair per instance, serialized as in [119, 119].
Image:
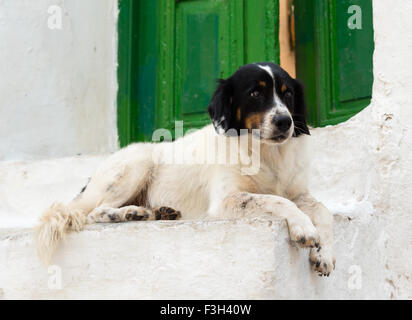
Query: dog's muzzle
[282, 124]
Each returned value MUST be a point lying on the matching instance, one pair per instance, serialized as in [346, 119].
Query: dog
[261, 103]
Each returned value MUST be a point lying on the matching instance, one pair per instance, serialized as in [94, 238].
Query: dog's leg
[244, 204]
[322, 258]
[131, 213]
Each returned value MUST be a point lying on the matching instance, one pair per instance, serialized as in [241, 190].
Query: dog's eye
[255, 94]
[288, 94]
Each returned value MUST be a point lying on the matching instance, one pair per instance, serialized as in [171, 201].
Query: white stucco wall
[226, 259]
[57, 87]
[362, 171]
[368, 160]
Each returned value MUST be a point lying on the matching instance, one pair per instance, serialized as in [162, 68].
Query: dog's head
[260, 96]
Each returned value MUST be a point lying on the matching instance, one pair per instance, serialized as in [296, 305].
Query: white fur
[202, 190]
[278, 108]
[268, 70]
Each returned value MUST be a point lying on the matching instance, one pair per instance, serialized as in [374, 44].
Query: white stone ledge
[225, 259]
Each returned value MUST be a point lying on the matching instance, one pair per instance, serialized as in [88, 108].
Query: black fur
[84, 188]
[235, 93]
[220, 105]
[299, 112]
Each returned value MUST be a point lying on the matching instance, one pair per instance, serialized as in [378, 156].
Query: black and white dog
[259, 102]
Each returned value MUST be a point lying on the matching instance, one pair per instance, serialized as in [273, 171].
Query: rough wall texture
[362, 170]
[367, 161]
[28, 188]
[57, 86]
[227, 259]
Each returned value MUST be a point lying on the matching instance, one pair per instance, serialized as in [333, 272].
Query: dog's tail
[55, 222]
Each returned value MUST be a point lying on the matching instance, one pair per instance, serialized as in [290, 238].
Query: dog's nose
[282, 122]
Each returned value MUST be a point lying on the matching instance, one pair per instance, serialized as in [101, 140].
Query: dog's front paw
[167, 213]
[124, 214]
[322, 260]
[304, 233]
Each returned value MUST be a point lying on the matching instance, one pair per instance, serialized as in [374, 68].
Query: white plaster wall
[367, 161]
[362, 171]
[57, 87]
[28, 188]
[225, 259]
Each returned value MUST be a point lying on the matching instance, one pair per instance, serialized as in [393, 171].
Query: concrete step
[222, 259]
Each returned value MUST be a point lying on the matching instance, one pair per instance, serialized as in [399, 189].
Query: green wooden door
[177, 50]
[334, 52]
[203, 41]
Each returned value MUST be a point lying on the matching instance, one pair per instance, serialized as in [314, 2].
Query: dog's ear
[220, 109]
[299, 110]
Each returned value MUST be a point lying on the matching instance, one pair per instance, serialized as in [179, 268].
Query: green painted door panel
[261, 30]
[202, 41]
[353, 49]
[334, 61]
[136, 98]
[171, 53]
[146, 65]
[202, 51]
[197, 55]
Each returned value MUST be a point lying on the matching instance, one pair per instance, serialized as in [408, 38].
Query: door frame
[126, 94]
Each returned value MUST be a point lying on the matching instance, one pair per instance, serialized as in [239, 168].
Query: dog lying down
[257, 114]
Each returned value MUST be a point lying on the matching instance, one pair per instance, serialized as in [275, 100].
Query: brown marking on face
[238, 113]
[254, 120]
[262, 84]
[283, 88]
